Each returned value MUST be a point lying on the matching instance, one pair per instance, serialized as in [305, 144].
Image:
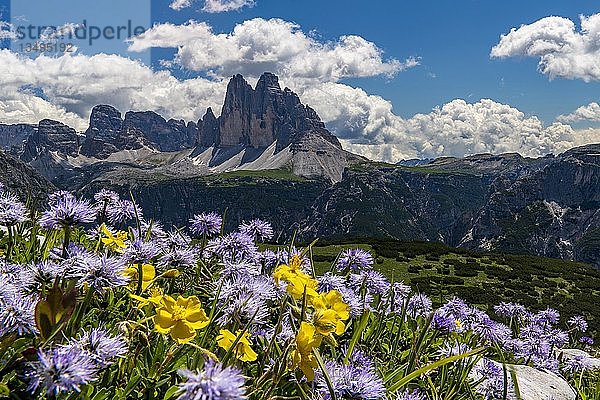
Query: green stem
[66, 240]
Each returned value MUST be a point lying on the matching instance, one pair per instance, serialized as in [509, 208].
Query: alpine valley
[267, 155]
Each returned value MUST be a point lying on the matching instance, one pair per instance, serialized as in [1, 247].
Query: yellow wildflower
[296, 279]
[180, 318]
[243, 351]
[330, 311]
[156, 295]
[114, 242]
[148, 275]
[307, 339]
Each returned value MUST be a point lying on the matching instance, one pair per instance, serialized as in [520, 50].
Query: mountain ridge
[269, 156]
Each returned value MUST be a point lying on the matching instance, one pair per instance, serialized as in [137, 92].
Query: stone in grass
[568, 354]
[535, 384]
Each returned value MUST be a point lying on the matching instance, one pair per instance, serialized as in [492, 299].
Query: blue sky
[392, 79]
[452, 38]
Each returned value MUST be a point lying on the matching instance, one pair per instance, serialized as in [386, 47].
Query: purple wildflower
[179, 257]
[63, 369]
[122, 211]
[208, 224]
[350, 382]
[577, 364]
[546, 317]
[443, 322]
[374, 281]
[101, 273]
[258, 229]
[107, 196]
[16, 312]
[492, 380]
[578, 323]
[234, 246]
[140, 252]
[213, 383]
[410, 395]
[102, 347]
[354, 260]
[586, 340]
[12, 211]
[67, 211]
[510, 310]
[419, 306]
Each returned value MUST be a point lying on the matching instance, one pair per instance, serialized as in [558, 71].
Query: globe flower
[148, 275]
[63, 369]
[243, 351]
[12, 211]
[208, 224]
[114, 242]
[67, 211]
[303, 357]
[213, 383]
[180, 318]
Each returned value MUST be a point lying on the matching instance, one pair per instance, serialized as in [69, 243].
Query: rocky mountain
[267, 155]
[22, 180]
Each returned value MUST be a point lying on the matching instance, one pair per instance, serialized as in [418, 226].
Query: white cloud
[367, 125]
[20, 107]
[73, 84]
[562, 50]
[275, 45]
[218, 6]
[590, 112]
[180, 4]
[7, 31]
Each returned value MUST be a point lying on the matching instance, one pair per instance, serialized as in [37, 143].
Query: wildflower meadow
[99, 302]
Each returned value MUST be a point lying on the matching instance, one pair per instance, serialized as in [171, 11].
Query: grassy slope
[482, 279]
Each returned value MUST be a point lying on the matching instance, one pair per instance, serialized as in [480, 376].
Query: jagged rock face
[209, 129]
[258, 117]
[51, 137]
[103, 133]
[22, 180]
[172, 135]
[13, 137]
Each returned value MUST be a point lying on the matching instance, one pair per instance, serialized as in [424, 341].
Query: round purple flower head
[213, 383]
[258, 229]
[106, 196]
[355, 260]
[578, 323]
[67, 211]
[350, 382]
[410, 395]
[12, 211]
[419, 305]
[122, 211]
[102, 347]
[208, 224]
[63, 369]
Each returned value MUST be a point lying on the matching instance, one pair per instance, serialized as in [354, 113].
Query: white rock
[568, 354]
[535, 384]
[541, 385]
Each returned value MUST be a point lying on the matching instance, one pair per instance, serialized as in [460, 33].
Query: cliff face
[22, 180]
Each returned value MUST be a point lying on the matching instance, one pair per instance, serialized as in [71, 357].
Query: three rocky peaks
[252, 120]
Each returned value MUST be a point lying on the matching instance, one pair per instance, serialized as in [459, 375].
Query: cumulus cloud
[367, 125]
[73, 84]
[275, 45]
[180, 4]
[218, 6]
[590, 112]
[562, 50]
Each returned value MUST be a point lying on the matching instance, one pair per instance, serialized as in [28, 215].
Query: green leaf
[415, 374]
[171, 392]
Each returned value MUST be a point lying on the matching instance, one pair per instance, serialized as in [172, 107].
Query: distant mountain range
[268, 155]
